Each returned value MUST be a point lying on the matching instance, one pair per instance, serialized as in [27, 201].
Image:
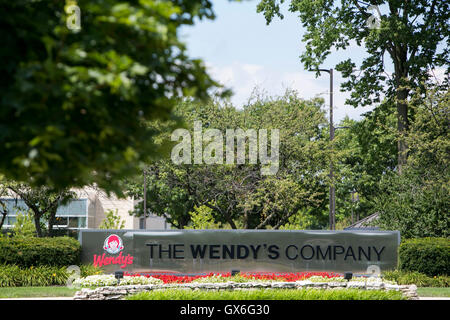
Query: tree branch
[424, 26]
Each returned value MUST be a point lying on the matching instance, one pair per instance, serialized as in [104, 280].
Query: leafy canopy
[73, 102]
[404, 42]
[413, 36]
[238, 195]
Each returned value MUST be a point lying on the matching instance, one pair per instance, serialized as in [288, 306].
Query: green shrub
[417, 278]
[430, 256]
[27, 252]
[24, 226]
[41, 276]
[89, 270]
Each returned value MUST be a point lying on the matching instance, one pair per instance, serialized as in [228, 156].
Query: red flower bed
[173, 278]
[289, 276]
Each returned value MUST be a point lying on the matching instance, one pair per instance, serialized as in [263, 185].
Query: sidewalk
[71, 298]
[40, 298]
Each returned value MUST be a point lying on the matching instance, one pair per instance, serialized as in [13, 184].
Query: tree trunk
[51, 221]
[400, 59]
[37, 224]
[245, 218]
[4, 214]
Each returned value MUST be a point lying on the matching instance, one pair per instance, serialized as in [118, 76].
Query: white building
[89, 210]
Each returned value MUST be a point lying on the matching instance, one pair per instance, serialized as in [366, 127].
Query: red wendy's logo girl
[113, 244]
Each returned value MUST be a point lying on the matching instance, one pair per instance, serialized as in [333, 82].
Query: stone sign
[202, 251]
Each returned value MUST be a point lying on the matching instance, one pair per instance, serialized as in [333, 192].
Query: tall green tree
[412, 36]
[74, 100]
[417, 202]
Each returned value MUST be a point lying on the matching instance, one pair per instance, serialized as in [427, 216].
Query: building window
[70, 216]
[141, 223]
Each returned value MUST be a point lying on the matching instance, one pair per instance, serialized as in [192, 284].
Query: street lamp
[332, 215]
[144, 223]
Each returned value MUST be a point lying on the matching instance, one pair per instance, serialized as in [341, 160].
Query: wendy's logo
[113, 244]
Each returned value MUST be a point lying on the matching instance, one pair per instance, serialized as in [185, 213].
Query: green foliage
[27, 252]
[269, 294]
[202, 218]
[238, 194]
[414, 205]
[89, 270]
[112, 221]
[417, 278]
[414, 40]
[43, 202]
[365, 150]
[430, 256]
[303, 220]
[15, 276]
[416, 202]
[74, 103]
[413, 36]
[24, 226]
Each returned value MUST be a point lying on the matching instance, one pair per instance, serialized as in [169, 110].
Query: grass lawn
[30, 292]
[268, 294]
[285, 294]
[433, 292]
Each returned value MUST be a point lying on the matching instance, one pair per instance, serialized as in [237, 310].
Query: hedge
[430, 256]
[27, 252]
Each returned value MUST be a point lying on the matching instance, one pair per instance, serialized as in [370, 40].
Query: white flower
[105, 280]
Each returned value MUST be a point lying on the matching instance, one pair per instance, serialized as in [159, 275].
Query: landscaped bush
[417, 278]
[27, 252]
[15, 276]
[269, 294]
[430, 256]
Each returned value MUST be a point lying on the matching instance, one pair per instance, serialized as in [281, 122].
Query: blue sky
[242, 52]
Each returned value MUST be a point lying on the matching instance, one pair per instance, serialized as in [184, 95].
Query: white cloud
[244, 78]
[438, 74]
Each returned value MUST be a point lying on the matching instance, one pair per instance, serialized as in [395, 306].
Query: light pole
[332, 215]
[144, 224]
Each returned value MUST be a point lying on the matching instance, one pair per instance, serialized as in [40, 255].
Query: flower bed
[243, 277]
[109, 280]
[211, 278]
[122, 291]
[105, 286]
